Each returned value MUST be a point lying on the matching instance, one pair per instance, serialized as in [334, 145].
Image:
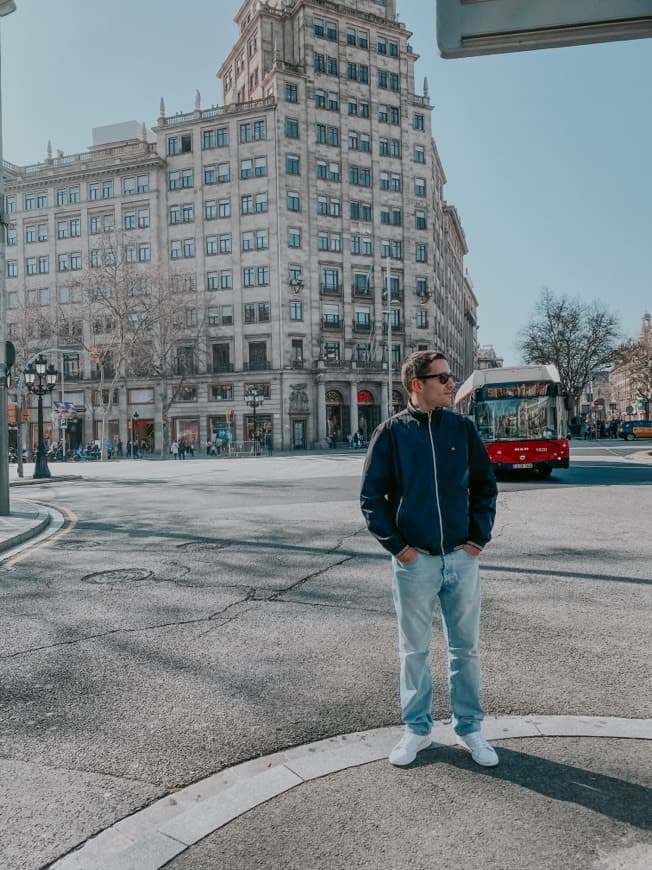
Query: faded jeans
[454, 580]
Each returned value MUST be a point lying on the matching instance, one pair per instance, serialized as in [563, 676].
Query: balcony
[329, 290]
[361, 292]
[222, 367]
[297, 363]
[261, 365]
[396, 327]
[329, 321]
[362, 325]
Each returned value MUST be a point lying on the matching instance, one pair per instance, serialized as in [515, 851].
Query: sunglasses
[442, 377]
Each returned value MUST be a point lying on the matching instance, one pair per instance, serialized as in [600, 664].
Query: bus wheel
[544, 471]
[629, 436]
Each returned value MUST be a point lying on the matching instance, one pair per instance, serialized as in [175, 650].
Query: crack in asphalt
[99, 635]
[253, 594]
[82, 769]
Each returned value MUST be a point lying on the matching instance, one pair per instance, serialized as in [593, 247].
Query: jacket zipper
[434, 466]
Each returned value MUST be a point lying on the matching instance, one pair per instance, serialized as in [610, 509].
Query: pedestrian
[209, 444]
[182, 448]
[269, 442]
[118, 448]
[429, 496]
[174, 450]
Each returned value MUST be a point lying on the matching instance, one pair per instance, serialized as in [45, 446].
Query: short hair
[416, 365]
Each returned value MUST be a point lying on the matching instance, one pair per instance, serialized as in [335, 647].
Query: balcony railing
[361, 325]
[297, 363]
[262, 365]
[396, 327]
[328, 290]
[329, 322]
[360, 291]
[219, 368]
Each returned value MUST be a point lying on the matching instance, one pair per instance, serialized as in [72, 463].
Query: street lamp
[40, 379]
[254, 399]
[387, 294]
[135, 417]
[6, 7]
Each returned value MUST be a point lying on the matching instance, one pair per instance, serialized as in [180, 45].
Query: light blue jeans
[454, 580]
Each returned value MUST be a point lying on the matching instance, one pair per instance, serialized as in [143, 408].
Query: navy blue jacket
[428, 483]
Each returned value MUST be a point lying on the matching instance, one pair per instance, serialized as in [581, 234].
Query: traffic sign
[63, 423]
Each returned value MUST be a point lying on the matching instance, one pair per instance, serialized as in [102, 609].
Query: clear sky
[548, 154]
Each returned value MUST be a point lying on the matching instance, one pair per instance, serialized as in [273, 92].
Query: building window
[261, 203]
[422, 319]
[12, 268]
[419, 186]
[420, 220]
[224, 208]
[291, 128]
[418, 122]
[292, 164]
[291, 93]
[188, 247]
[419, 154]
[294, 201]
[422, 253]
[247, 204]
[294, 238]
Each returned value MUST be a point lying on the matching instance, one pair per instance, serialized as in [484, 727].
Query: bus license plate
[523, 465]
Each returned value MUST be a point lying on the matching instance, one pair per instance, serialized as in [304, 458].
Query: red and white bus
[521, 415]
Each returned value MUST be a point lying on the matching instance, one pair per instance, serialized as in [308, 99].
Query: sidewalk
[26, 521]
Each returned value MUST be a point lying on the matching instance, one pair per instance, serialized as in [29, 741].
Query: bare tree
[635, 358]
[577, 337]
[110, 318]
[170, 352]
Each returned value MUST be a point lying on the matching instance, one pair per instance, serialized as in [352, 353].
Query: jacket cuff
[477, 546]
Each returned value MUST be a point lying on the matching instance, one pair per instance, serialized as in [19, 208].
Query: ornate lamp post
[40, 379]
[254, 399]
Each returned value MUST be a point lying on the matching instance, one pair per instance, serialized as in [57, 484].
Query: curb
[152, 837]
[54, 479]
[42, 521]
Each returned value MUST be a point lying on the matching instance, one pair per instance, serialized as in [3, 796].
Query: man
[429, 497]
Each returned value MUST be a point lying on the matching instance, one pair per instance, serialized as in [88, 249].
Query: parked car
[632, 429]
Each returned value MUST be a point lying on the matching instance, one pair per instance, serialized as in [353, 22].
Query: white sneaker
[481, 752]
[407, 747]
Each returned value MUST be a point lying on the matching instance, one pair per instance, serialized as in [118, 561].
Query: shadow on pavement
[572, 575]
[614, 798]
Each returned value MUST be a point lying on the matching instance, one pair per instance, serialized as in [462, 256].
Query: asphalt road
[202, 613]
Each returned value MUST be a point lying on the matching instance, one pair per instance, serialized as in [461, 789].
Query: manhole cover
[76, 544]
[200, 546]
[126, 575]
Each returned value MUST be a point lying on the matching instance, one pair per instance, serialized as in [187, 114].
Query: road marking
[150, 838]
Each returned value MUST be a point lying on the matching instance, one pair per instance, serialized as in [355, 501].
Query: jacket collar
[420, 415]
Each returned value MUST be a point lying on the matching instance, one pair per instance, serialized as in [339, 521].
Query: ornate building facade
[304, 217]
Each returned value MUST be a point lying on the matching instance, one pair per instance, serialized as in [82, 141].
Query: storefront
[188, 429]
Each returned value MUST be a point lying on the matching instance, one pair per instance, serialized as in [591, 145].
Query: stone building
[304, 217]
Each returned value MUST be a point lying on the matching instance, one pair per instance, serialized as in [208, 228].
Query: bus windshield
[516, 418]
